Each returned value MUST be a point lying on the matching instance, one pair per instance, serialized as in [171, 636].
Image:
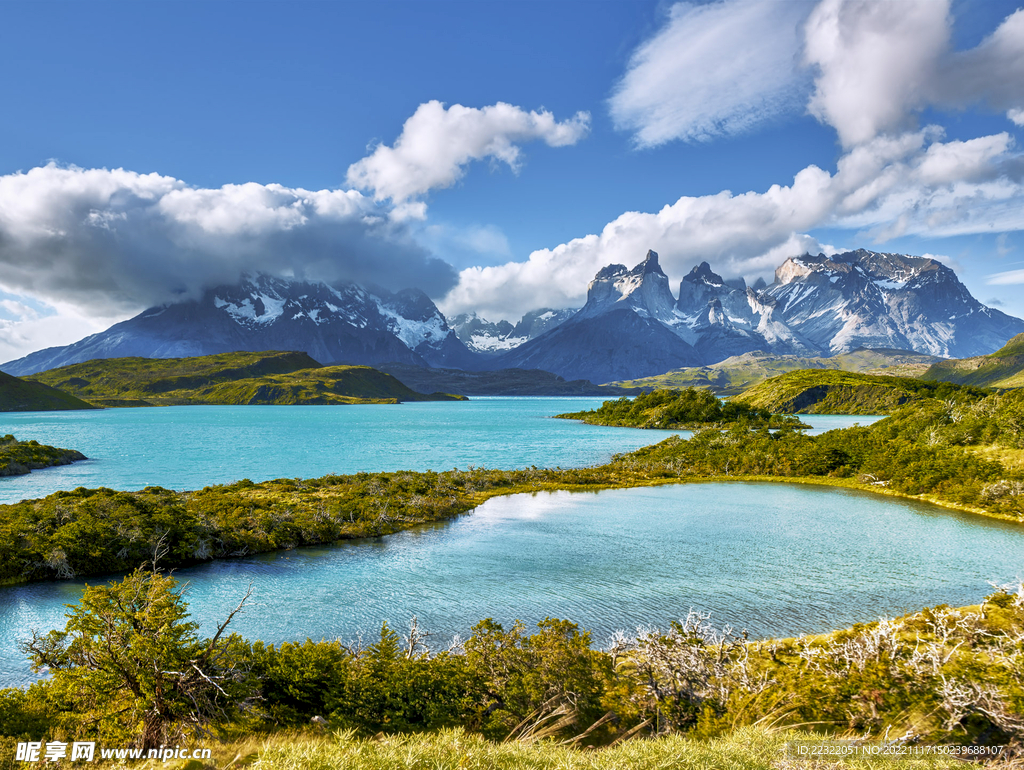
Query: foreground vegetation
[738, 373]
[686, 409]
[129, 669]
[966, 451]
[17, 395]
[20, 457]
[267, 377]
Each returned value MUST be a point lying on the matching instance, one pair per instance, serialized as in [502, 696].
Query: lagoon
[774, 559]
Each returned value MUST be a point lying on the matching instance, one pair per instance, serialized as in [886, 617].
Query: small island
[686, 409]
[20, 457]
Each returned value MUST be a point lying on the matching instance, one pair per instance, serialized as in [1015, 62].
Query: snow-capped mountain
[623, 331]
[483, 336]
[632, 326]
[333, 324]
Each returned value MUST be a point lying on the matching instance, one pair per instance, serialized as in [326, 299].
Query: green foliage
[820, 391]
[266, 377]
[20, 457]
[679, 409]
[129, 667]
[551, 678]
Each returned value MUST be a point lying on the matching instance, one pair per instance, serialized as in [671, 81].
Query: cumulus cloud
[713, 70]
[437, 143]
[114, 241]
[879, 63]
[908, 184]
[875, 62]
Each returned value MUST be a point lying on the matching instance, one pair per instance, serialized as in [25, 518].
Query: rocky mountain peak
[703, 273]
[610, 271]
[644, 289]
[649, 266]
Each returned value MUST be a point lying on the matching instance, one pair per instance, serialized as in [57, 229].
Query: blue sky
[609, 108]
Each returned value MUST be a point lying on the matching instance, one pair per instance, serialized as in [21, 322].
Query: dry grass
[746, 749]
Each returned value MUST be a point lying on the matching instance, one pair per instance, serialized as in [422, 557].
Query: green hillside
[736, 374]
[269, 377]
[827, 391]
[17, 395]
[1002, 369]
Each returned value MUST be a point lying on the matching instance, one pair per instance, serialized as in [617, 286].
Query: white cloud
[1008, 278]
[713, 70]
[59, 324]
[909, 184]
[114, 241]
[875, 62]
[437, 143]
[1017, 116]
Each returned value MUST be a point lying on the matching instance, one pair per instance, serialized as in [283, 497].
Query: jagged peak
[649, 265]
[610, 271]
[703, 273]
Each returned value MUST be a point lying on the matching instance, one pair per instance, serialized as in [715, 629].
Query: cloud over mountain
[114, 240]
[891, 186]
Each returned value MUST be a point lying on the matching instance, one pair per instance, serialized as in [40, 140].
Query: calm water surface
[775, 559]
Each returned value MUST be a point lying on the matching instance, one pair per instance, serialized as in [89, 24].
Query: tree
[131, 666]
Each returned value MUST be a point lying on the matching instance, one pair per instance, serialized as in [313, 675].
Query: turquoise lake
[189, 447]
[773, 559]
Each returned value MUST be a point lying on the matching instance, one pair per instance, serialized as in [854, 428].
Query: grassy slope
[734, 375]
[828, 391]
[19, 457]
[268, 377]
[1002, 369]
[17, 395]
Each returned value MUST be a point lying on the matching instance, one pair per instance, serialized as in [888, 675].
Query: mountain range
[631, 325]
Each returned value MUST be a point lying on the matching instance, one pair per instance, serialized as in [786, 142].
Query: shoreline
[475, 499]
